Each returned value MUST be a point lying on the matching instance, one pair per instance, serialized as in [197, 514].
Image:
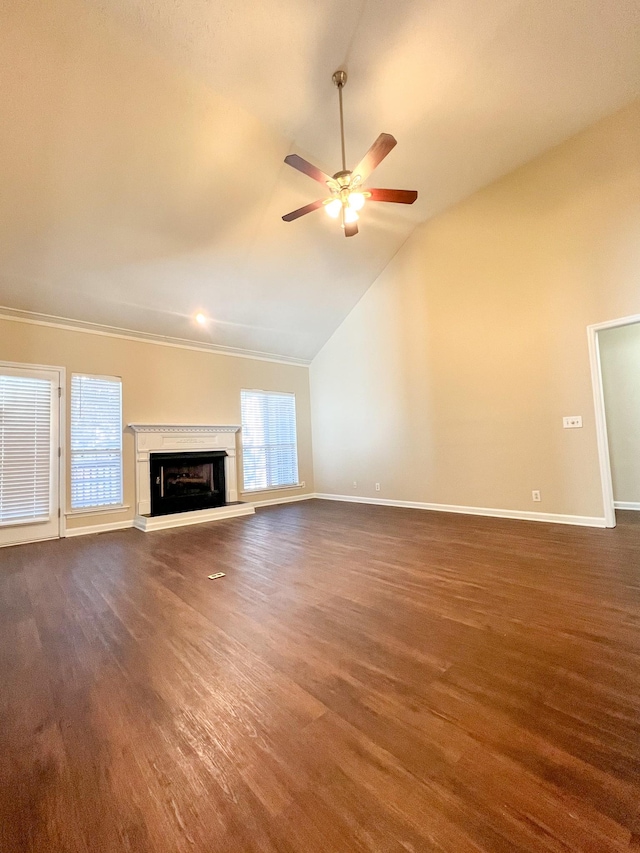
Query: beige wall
[449, 380]
[162, 384]
[620, 360]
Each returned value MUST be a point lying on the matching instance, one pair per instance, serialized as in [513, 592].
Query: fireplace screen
[182, 482]
[177, 481]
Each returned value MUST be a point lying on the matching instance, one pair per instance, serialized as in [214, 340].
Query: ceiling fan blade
[296, 214]
[375, 155]
[350, 229]
[309, 169]
[396, 196]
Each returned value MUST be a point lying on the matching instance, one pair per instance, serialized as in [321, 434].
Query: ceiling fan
[347, 196]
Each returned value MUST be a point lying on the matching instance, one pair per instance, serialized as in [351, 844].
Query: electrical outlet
[377, 487]
[355, 484]
[535, 494]
[572, 422]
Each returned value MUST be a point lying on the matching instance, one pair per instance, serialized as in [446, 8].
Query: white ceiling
[142, 145]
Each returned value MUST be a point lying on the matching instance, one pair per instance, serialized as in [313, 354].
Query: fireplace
[196, 464]
[183, 482]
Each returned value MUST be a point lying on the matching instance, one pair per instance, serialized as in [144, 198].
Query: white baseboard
[286, 500]
[521, 515]
[98, 528]
[30, 542]
[554, 518]
[627, 505]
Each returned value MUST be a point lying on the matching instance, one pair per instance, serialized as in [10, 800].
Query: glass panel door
[29, 463]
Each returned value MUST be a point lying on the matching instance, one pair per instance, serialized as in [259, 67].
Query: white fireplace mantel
[163, 438]
[173, 428]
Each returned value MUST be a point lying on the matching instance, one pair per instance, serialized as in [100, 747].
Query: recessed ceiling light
[201, 318]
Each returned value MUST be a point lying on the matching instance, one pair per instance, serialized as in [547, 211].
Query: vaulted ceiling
[142, 145]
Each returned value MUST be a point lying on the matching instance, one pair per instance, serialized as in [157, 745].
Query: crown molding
[37, 319]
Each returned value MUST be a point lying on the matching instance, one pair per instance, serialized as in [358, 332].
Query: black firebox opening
[181, 482]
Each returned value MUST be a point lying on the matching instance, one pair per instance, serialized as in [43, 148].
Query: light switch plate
[572, 422]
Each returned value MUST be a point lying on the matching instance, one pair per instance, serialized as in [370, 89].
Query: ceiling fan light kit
[347, 194]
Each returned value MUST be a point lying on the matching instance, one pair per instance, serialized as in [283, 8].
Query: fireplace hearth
[183, 482]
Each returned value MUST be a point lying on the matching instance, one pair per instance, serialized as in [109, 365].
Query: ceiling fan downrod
[340, 79]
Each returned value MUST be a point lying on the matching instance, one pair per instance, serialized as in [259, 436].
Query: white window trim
[98, 509]
[103, 508]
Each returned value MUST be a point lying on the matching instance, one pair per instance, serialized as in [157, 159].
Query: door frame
[600, 414]
[62, 433]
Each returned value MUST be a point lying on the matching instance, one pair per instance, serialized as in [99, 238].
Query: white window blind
[96, 441]
[269, 447]
[25, 449]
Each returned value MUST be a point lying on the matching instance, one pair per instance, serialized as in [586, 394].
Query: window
[269, 448]
[96, 441]
[25, 449]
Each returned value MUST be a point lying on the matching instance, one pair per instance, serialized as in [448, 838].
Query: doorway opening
[594, 333]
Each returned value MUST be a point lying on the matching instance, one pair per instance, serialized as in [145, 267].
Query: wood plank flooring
[363, 679]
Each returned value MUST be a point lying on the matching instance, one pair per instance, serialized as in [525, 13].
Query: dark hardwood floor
[363, 679]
